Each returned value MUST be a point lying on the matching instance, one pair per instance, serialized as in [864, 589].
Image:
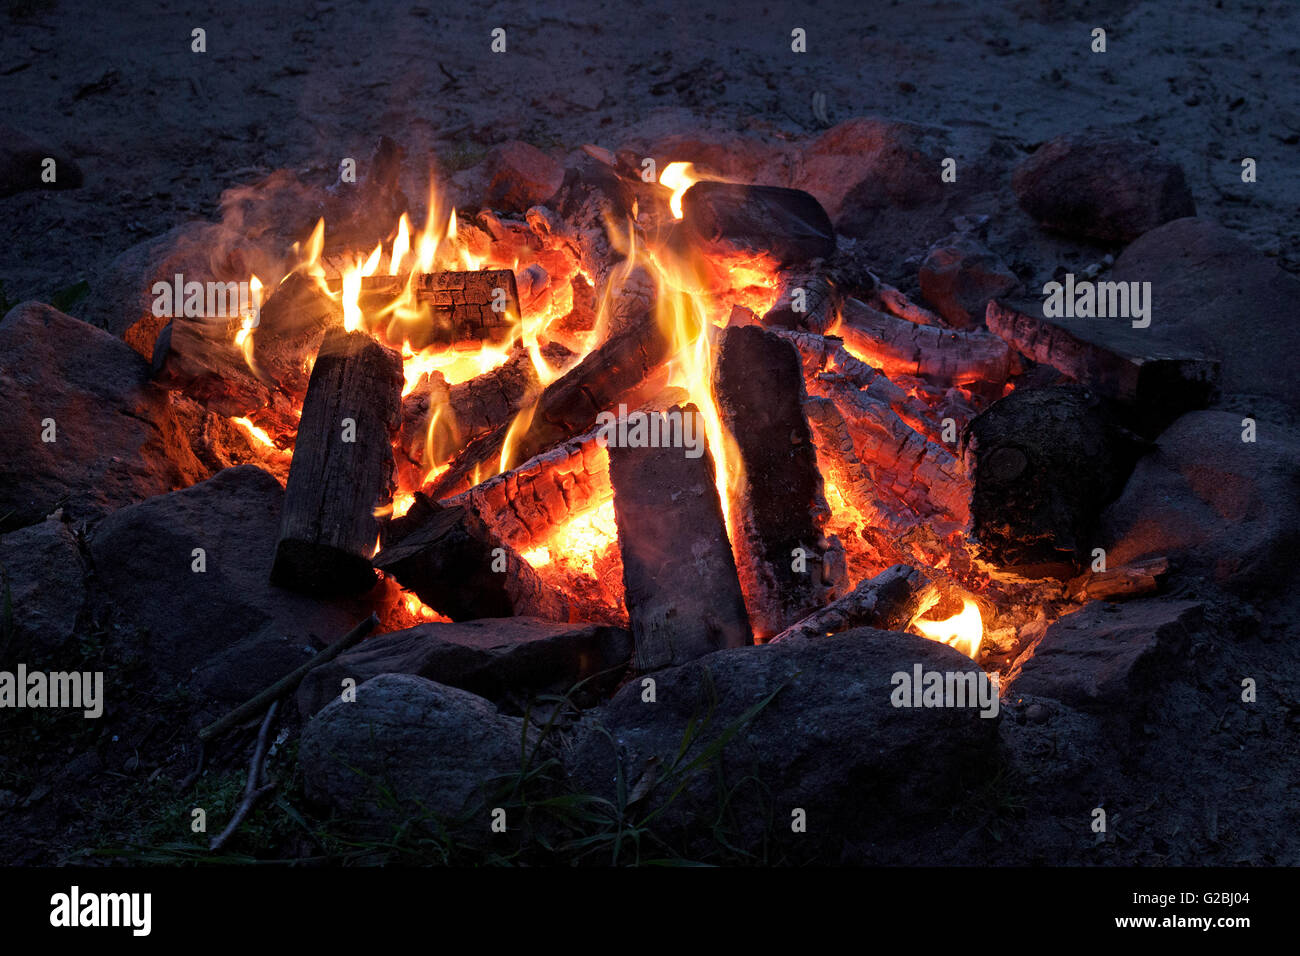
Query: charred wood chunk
[898, 346]
[468, 306]
[1044, 462]
[787, 564]
[1156, 382]
[526, 505]
[291, 326]
[197, 356]
[1133, 580]
[787, 225]
[342, 467]
[681, 586]
[450, 559]
[806, 301]
[887, 602]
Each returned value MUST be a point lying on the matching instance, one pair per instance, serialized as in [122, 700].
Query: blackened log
[788, 566]
[450, 559]
[342, 467]
[898, 346]
[806, 301]
[680, 582]
[887, 602]
[788, 226]
[1156, 382]
[1044, 462]
[197, 356]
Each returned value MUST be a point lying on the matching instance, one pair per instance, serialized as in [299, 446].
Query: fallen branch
[287, 683]
[886, 602]
[252, 792]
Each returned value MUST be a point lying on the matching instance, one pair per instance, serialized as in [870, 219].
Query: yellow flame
[677, 177]
[964, 630]
[401, 245]
[258, 434]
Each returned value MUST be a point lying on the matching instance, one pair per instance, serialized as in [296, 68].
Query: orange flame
[677, 177]
[963, 631]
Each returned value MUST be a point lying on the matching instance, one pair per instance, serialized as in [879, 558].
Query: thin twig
[287, 683]
[252, 792]
[197, 771]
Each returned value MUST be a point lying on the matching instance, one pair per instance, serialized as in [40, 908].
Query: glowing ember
[257, 434]
[579, 543]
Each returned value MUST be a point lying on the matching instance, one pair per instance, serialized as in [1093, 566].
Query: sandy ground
[160, 131]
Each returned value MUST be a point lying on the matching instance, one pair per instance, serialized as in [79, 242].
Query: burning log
[1044, 462]
[1157, 382]
[525, 505]
[901, 347]
[806, 301]
[1134, 580]
[729, 219]
[197, 356]
[450, 559]
[887, 602]
[477, 406]
[672, 538]
[342, 466]
[788, 564]
[481, 306]
[622, 370]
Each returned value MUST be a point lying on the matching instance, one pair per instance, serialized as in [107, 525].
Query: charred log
[672, 537]
[342, 467]
[1044, 462]
[1157, 383]
[887, 602]
[901, 347]
[728, 219]
[806, 301]
[789, 566]
[450, 559]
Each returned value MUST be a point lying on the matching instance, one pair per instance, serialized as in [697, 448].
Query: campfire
[671, 403]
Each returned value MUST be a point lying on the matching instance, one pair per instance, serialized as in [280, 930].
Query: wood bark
[342, 467]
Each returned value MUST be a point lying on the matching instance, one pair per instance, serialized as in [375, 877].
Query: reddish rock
[116, 439]
[520, 176]
[1101, 185]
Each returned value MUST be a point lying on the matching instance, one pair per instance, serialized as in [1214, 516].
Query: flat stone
[1109, 656]
[492, 657]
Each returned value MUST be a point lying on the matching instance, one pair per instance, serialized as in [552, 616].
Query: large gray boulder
[42, 578]
[223, 631]
[1213, 293]
[1101, 184]
[115, 438]
[801, 725]
[409, 748]
[499, 658]
[1216, 506]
